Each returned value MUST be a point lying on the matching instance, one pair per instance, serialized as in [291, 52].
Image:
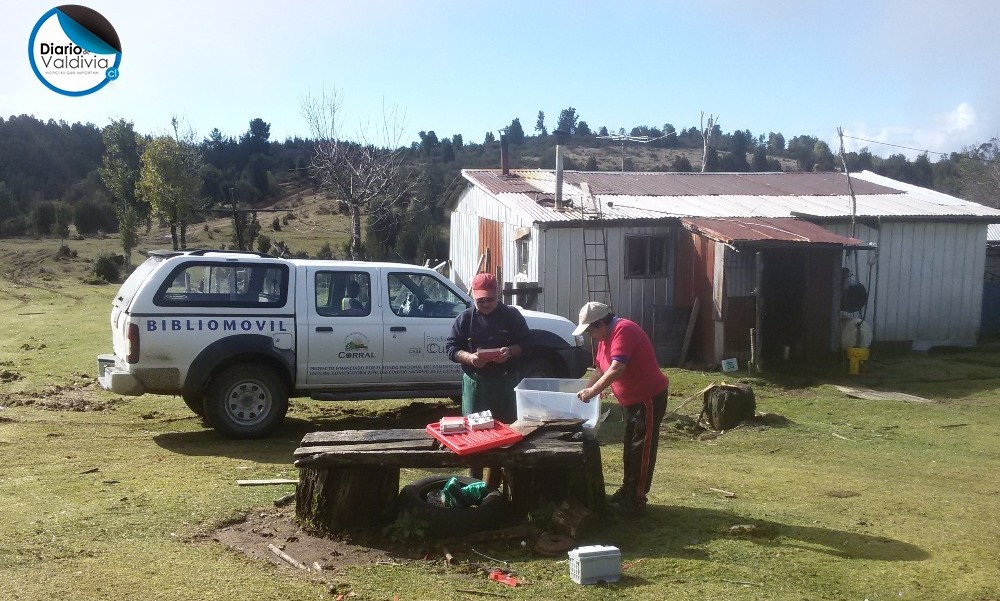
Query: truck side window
[224, 285]
[343, 293]
[422, 295]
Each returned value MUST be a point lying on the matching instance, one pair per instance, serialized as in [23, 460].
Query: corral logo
[356, 347]
[74, 50]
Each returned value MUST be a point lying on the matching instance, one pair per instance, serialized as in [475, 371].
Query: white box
[555, 398]
[481, 421]
[452, 424]
[595, 563]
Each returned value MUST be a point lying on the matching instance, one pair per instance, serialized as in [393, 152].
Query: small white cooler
[595, 563]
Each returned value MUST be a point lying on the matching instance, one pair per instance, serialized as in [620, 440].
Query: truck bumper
[577, 360]
[117, 381]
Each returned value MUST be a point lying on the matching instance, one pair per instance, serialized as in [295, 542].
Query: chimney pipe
[504, 158]
[559, 176]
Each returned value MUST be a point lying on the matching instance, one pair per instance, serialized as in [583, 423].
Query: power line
[924, 150]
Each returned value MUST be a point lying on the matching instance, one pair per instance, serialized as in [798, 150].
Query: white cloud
[950, 132]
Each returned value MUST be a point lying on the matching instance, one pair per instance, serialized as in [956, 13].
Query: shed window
[522, 255]
[647, 256]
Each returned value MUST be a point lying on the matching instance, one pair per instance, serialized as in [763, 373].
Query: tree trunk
[336, 499]
[173, 235]
[355, 231]
[729, 405]
[531, 488]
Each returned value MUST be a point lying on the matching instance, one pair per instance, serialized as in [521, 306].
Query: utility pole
[850, 186]
[706, 135]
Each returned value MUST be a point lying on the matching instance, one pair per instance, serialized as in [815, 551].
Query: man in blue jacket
[489, 377]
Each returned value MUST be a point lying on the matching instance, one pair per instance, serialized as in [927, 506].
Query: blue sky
[913, 73]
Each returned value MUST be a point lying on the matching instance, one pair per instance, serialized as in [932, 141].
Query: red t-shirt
[628, 344]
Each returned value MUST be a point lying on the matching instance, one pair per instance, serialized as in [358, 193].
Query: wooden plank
[545, 449]
[876, 395]
[270, 482]
[690, 330]
[402, 445]
[359, 436]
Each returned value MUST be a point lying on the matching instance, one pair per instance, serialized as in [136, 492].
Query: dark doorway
[783, 293]
[798, 317]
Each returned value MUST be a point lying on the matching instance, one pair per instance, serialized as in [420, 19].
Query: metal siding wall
[464, 235]
[635, 298]
[930, 286]
[741, 273]
[563, 274]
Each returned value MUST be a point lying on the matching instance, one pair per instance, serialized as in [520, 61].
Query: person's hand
[477, 361]
[587, 393]
[505, 354]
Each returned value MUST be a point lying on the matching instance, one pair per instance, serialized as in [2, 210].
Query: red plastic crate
[474, 441]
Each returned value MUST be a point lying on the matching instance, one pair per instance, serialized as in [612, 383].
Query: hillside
[33, 262]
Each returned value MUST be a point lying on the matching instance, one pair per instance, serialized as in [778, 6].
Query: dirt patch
[62, 398]
[252, 536]
[410, 415]
[9, 376]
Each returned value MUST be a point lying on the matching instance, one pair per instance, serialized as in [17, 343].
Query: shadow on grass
[278, 447]
[680, 532]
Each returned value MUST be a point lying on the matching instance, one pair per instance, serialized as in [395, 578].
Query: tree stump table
[350, 479]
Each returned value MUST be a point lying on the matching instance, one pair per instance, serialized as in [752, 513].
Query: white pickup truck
[237, 334]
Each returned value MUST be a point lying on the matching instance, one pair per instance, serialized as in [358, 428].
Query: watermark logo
[74, 50]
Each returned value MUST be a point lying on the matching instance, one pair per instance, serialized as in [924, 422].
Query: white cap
[590, 313]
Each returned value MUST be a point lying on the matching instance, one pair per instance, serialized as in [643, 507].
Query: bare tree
[366, 175]
[706, 136]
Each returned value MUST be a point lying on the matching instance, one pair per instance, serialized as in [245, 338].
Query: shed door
[490, 252]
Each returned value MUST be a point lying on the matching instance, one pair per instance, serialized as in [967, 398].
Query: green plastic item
[456, 495]
[473, 494]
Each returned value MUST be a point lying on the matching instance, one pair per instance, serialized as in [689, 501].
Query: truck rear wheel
[246, 401]
[195, 402]
[538, 367]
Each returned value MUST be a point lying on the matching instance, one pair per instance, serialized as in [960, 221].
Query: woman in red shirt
[627, 363]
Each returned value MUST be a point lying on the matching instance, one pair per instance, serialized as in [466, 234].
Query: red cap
[484, 282]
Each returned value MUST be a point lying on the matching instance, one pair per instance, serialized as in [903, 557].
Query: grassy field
[105, 497]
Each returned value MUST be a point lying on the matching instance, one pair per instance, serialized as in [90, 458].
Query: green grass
[850, 499]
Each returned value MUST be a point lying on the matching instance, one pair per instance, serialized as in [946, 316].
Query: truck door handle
[397, 329]
[324, 329]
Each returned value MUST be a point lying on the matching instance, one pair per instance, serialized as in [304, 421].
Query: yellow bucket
[855, 355]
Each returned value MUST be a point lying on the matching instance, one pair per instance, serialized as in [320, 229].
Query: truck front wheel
[246, 401]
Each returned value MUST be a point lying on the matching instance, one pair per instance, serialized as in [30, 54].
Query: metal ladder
[595, 248]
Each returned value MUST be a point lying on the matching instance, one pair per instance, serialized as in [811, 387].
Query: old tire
[246, 401]
[195, 401]
[494, 512]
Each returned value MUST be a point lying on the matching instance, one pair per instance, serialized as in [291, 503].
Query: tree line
[114, 179]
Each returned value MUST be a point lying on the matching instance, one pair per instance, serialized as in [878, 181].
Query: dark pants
[642, 436]
[496, 395]
[493, 394]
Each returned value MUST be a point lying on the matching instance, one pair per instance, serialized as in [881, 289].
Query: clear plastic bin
[555, 398]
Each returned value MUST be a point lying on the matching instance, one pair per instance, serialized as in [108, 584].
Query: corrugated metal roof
[663, 194]
[798, 231]
[993, 232]
[719, 184]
